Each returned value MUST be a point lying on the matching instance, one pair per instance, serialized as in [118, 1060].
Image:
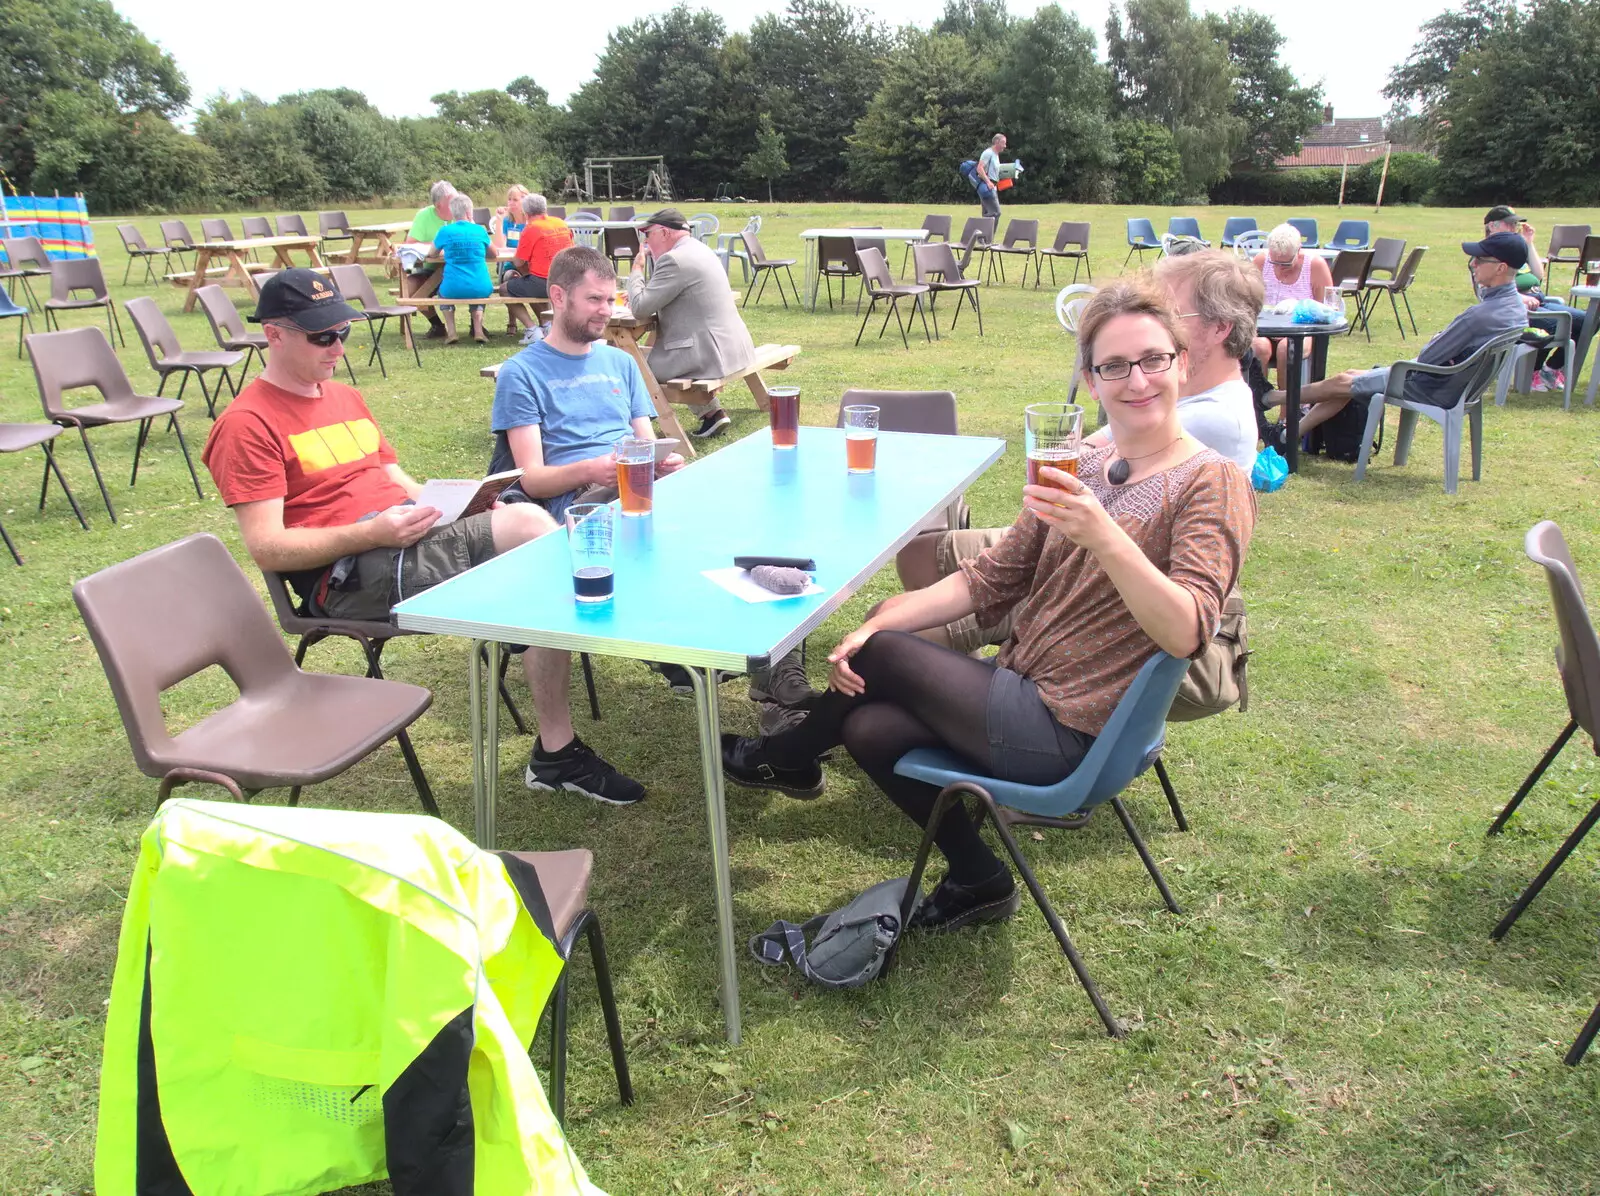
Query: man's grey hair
[534, 205]
[460, 206]
[440, 191]
[997, 139]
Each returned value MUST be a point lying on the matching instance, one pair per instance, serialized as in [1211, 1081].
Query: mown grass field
[1328, 1013]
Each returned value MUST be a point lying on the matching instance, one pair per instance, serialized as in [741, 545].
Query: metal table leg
[705, 696]
[475, 721]
[813, 272]
[485, 740]
[1291, 403]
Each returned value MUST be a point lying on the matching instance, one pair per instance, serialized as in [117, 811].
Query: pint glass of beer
[785, 414]
[1054, 434]
[636, 474]
[589, 529]
[861, 438]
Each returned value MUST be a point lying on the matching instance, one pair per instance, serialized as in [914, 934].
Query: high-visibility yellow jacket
[309, 999]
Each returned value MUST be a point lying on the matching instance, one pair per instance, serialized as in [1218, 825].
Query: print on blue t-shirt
[581, 405]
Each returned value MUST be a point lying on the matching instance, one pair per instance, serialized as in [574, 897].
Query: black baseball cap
[1499, 214]
[1505, 247]
[667, 218]
[304, 299]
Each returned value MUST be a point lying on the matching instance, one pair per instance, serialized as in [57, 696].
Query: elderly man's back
[701, 333]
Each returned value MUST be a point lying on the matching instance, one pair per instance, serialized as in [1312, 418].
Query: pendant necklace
[1117, 472]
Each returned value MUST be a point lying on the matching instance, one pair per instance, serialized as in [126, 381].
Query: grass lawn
[1327, 1014]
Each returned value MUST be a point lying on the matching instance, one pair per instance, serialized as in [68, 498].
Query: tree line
[819, 102]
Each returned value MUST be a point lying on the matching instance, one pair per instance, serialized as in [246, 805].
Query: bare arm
[546, 481]
[1535, 262]
[404, 480]
[292, 549]
[1321, 277]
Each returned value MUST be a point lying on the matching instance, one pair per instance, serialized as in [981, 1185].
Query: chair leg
[588, 683]
[558, 1050]
[865, 318]
[976, 307]
[1545, 762]
[1398, 322]
[921, 307]
[95, 465]
[350, 369]
[377, 342]
[115, 323]
[1580, 1045]
[790, 272]
[1407, 299]
[187, 460]
[138, 448]
[1172, 795]
[589, 925]
[505, 693]
[52, 466]
[1144, 854]
[1550, 869]
[15, 555]
[125, 270]
[417, 777]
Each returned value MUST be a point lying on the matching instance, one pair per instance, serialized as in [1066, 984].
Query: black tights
[918, 695]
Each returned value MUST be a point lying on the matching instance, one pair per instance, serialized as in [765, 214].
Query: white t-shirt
[1223, 418]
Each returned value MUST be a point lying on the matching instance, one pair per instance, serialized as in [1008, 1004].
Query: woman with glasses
[1287, 272]
[1133, 553]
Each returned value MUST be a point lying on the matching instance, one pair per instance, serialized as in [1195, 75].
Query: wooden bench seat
[533, 305]
[699, 391]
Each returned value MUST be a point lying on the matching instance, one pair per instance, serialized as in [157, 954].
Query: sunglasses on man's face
[325, 340]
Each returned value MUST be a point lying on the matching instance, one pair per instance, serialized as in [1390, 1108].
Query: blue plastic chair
[1308, 230]
[1141, 237]
[1130, 743]
[1351, 234]
[1235, 226]
[1185, 226]
[10, 309]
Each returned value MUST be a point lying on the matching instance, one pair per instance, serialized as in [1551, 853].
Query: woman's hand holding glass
[1069, 506]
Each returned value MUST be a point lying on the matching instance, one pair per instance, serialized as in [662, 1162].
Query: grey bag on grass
[848, 947]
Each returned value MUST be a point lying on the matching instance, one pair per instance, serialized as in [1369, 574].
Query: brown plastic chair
[286, 728]
[620, 245]
[292, 224]
[1387, 254]
[14, 438]
[881, 285]
[935, 225]
[333, 226]
[228, 328]
[559, 211]
[356, 287]
[81, 357]
[482, 216]
[1021, 240]
[25, 258]
[133, 241]
[1578, 662]
[976, 236]
[1589, 253]
[836, 258]
[216, 230]
[1072, 241]
[1349, 272]
[1564, 238]
[595, 212]
[930, 412]
[1398, 285]
[178, 239]
[761, 264]
[70, 277]
[167, 357]
[621, 212]
[256, 226]
[563, 878]
[938, 270]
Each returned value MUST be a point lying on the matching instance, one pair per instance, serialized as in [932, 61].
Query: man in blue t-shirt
[561, 405]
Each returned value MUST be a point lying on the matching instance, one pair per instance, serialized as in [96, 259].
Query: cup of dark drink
[784, 410]
[636, 474]
[1053, 436]
[589, 531]
[861, 438]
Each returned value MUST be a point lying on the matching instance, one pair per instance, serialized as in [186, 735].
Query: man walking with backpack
[986, 174]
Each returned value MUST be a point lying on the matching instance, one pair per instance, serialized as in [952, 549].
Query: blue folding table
[746, 499]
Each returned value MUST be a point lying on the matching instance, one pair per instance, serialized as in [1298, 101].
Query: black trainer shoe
[710, 424]
[951, 906]
[744, 762]
[577, 768]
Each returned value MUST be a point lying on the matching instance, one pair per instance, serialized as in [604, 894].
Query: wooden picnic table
[240, 270]
[382, 236]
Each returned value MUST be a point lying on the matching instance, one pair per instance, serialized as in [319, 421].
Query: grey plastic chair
[1518, 370]
[256, 226]
[356, 287]
[14, 438]
[138, 251]
[1021, 240]
[1072, 242]
[976, 236]
[935, 224]
[1578, 663]
[216, 230]
[764, 267]
[1473, 377]
[938, 270]
[1566, 243]
[929, 412]
[292, 225]
[229, 330]
[167, 356]
[26, 259]
[880, 284]
[67, 280]
[179, 240]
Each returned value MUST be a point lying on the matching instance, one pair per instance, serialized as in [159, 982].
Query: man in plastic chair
[1542, 310]
[1495, 261]
[320, 497]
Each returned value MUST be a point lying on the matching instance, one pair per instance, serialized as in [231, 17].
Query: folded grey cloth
[780, 580]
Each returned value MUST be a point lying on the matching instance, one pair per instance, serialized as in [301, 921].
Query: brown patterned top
[1072, 635]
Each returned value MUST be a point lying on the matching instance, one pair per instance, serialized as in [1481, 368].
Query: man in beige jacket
[700, 334]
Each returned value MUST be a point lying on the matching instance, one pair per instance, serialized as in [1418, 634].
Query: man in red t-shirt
[320, 497]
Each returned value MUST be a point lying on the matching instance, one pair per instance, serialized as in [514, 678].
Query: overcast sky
[404, 51]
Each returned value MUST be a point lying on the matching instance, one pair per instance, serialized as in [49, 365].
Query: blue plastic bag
[1309, 311]
[1270, 471]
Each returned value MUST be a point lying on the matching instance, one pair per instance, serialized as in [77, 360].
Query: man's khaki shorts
[438, 556]
[951, 549]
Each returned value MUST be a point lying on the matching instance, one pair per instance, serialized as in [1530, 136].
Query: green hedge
[1411, 180]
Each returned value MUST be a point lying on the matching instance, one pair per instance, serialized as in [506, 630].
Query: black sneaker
[951, 906]
[678, 679]
[711, 423]
[577, 768]
[744, 762]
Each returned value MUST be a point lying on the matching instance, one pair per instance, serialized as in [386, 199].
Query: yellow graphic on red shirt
[335, 444]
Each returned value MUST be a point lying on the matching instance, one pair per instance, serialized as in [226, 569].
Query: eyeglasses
[1150, 363]
[1286, 264]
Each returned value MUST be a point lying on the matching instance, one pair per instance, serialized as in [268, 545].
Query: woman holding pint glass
[1133, 553]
